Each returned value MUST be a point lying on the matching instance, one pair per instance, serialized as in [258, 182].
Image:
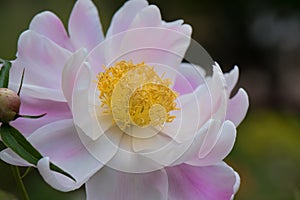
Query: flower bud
[9, 105]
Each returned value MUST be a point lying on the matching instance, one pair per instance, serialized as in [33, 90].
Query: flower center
[136, 95]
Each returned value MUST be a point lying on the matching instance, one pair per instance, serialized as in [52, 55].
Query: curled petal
[237, 107]
[219, 148]
[8, 156]
[59, 143]
[207, 101]
[231, 79]
[193, 150]
[54, 179]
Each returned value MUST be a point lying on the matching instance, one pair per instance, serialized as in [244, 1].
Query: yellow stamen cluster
[136, 95]
[145, 97]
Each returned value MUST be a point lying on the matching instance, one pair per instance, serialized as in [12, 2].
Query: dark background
[261, 37]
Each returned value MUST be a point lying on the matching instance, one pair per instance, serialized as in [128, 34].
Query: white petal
[60, 143]
[238, 107]
[232, 78]
[103, 148]
[56, 180]
[193, 150]
[87, 112]
[195, 110]
[126, 160]
[164, 53]
[112, 184]
[218, 91]
[8, 156]
[43, 61]
[70, 73]
[189, 78]
[35, 106]
[216, 182]
[124, 16]
[220, 149]
[84, 26]
[147, 17]
[50, 26]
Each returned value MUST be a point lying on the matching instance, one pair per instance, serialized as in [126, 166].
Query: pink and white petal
[172, 25]
[237, 107]
[164, 50]
[165, 47]
[43, 61]
[105, 147]
[147, 17]
[8, 156]
[112, 184]
[50, 26]
[231, 79]
[216, 182]
[178, 25]
[169, 154]
[195, 110]
[189, 78]
[192, 151]
[34, 106]
[60, 142]
[163, 152]
[70, 73]
[211, 138]
[236, 185]
[85, 106]
[126, 160]
[216, 97]
[57, 180]
[124, 16]
[218, 90]
[84, 25]
[211, 102]
[150, 16]
[220, 149]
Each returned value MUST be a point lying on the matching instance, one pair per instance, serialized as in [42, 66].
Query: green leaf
[4, 73]
[14, 140]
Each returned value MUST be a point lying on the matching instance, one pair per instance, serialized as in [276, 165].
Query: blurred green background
[262, 37]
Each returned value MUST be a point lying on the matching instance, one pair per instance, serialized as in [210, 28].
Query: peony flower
[125, 116]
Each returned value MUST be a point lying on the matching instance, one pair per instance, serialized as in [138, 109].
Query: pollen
[136, 95]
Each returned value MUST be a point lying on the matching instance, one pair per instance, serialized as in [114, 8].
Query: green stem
[26, 172]
[18, 178]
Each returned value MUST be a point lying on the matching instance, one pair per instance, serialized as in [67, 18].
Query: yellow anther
[135, 95]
